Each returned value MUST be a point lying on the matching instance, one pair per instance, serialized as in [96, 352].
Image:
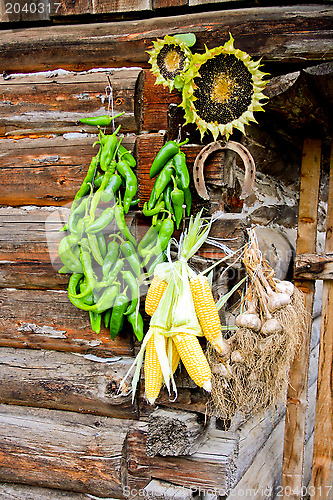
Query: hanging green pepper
[95, 318]
[98, 180]
[164, 235]
[85, 186]
[164, 155]
[187, 198]
[149, 239]
[119, 307]
[159, 207]
[167, 198]
[100, 121]
[95, 249]
[67, 255]
[129, 252]
[76, 214]
[109, 149]
[126, 155]
[121, 223]
[107, 316]
[131, 183]
[101, 222]
[104, 302]
[109, 192]
[111, 277]
[90, 278]
[179, 161]
[135, 319]
[177, 198]
[110, 258]
[163, 179]
[132, 283]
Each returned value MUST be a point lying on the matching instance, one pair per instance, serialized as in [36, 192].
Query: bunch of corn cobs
[99, 250]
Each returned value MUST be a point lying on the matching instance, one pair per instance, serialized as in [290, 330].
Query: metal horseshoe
[199, 163]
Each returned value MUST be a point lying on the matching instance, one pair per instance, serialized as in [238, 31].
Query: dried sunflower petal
[222, 89]
[169, 59]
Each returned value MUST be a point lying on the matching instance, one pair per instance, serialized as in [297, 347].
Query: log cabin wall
[68, 433]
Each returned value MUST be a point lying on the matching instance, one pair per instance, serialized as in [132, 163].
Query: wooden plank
[294, 438]
[322, 468]
[212, 467]
[163, 4]
[317, 266]
[65, 381]
[45, 171]
[296, 33]
[53, 103]
[10, 491]
[61, 8]
[109, 6]
[46, 319]
[62, 450]
[155, 105]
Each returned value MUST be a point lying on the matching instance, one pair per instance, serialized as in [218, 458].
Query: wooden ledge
[314, 266]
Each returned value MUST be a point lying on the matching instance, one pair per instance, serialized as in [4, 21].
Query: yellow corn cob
[207, 312]
[175, 358]
[155, 291]
[153, 372]
[194, 360]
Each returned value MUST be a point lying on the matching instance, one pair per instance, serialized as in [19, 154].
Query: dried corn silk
[259, 379]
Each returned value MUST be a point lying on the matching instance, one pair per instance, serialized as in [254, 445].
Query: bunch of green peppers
[171, 192]
[98, 248]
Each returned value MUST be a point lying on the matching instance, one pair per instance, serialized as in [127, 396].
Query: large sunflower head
[222, 89]
[170, 58]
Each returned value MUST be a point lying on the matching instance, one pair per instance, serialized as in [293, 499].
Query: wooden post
[322, 467]
[293, 453]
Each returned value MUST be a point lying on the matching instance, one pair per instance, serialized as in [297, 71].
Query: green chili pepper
[100, 121]
[64, 270]
[179, 161]
[104, 302]
[129, 252]
[167, 198]
[111, 277]
[107, 316]
[132, 283]
[109, 149]
[149, 239]
[131, 183]
[88, 272]
[177, 198]
[187, 198]
[111, 188]
[124, 154]
[121, 223]
[75, 214]
[164, 235]
[85, 186]
[163, 179]
[98, 180]
[159, 207]
[167, 151]
[103, 220]
[95, 321]
[117, 316]
[110, 258]
[135, 319]
[135, 202]
[66, 254]
[95, 249]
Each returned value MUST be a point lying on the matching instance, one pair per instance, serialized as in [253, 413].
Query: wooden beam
[45, 319]
[288, 34]
[62, 449]
[65, 381]
[53, 103]
[322, 468]
[316, 266]
[294, 437]
[45, 171]
[10, 491]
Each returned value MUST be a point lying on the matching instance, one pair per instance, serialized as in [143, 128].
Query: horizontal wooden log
[65, 381]
[29, 240]
[296, 33]
[53, 103]
[174, 433]
[11, 491]
[45, 171]
[48, 320]
[62, 450]
[314, 266]
[211, 467]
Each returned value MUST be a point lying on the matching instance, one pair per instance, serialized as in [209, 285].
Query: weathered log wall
[57, 375]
